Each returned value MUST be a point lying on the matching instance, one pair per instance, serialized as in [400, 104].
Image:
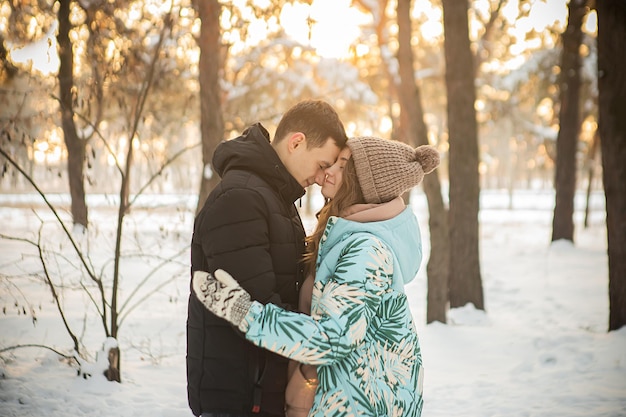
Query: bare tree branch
[55, 296]
[161, 169]
[99, 134]
[143, 282]
[8, 348]
[124, 189]
[79, 253]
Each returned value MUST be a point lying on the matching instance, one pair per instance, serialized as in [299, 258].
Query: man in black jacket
[250, 227]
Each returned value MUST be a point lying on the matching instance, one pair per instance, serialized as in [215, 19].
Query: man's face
[306, 165]
[334, 174]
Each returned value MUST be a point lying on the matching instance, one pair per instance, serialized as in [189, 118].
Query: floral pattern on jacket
[360, 333]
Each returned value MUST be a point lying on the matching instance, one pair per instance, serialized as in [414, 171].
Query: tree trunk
[211, 121]
[112, 373]
[612, 125]
[569, 124]
[591, 160]
[465, 279]
[412, 119]
[75, 146]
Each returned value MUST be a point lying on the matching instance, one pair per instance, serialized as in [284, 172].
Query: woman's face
[334, 174]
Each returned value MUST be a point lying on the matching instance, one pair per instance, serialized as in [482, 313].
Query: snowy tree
[211, 114]
[612, 125]
[465, 279]
[417, 134]
[569, 123]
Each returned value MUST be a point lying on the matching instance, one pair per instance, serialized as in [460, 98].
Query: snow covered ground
[540, 349]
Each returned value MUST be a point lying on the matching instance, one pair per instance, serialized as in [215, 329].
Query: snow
[541, 348]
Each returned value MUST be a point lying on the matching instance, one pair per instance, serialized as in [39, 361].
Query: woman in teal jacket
[360, 333]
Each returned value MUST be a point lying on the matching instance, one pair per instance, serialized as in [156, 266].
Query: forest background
[124, 98]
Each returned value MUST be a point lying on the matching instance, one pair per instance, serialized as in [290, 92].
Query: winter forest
[110, 112]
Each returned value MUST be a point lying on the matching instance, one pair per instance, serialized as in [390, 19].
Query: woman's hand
[222, 295]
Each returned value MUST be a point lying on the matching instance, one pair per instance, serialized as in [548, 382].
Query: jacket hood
[401, 233]
[253, 152]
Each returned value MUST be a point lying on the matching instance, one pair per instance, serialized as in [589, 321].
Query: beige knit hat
[387, 168]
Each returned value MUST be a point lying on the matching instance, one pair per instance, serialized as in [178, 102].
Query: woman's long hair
[349, 193]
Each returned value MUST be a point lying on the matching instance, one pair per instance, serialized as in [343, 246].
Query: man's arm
[234, 236]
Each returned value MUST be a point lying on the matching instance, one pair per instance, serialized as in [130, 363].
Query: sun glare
[328, 26]
[332, 28]
[591, 23]
[42, 55]
[432, 28]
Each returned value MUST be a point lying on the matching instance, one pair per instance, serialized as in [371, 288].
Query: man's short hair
[316, 119]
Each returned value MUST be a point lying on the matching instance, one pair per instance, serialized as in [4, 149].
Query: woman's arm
[347, 303]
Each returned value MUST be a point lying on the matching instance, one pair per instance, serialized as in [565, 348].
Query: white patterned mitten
[222, 296]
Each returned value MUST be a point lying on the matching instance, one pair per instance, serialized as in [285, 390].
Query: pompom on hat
[387, 168]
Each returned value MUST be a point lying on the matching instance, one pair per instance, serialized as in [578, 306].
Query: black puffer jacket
[249, 226]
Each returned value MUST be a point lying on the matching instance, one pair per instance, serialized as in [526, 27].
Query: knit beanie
[387, 168]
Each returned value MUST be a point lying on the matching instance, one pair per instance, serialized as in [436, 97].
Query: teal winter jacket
[360, 333]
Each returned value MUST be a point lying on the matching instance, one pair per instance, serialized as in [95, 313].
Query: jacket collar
[253, 152]
[365, 213]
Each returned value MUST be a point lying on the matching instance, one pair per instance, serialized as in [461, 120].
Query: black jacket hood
[252, 151]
